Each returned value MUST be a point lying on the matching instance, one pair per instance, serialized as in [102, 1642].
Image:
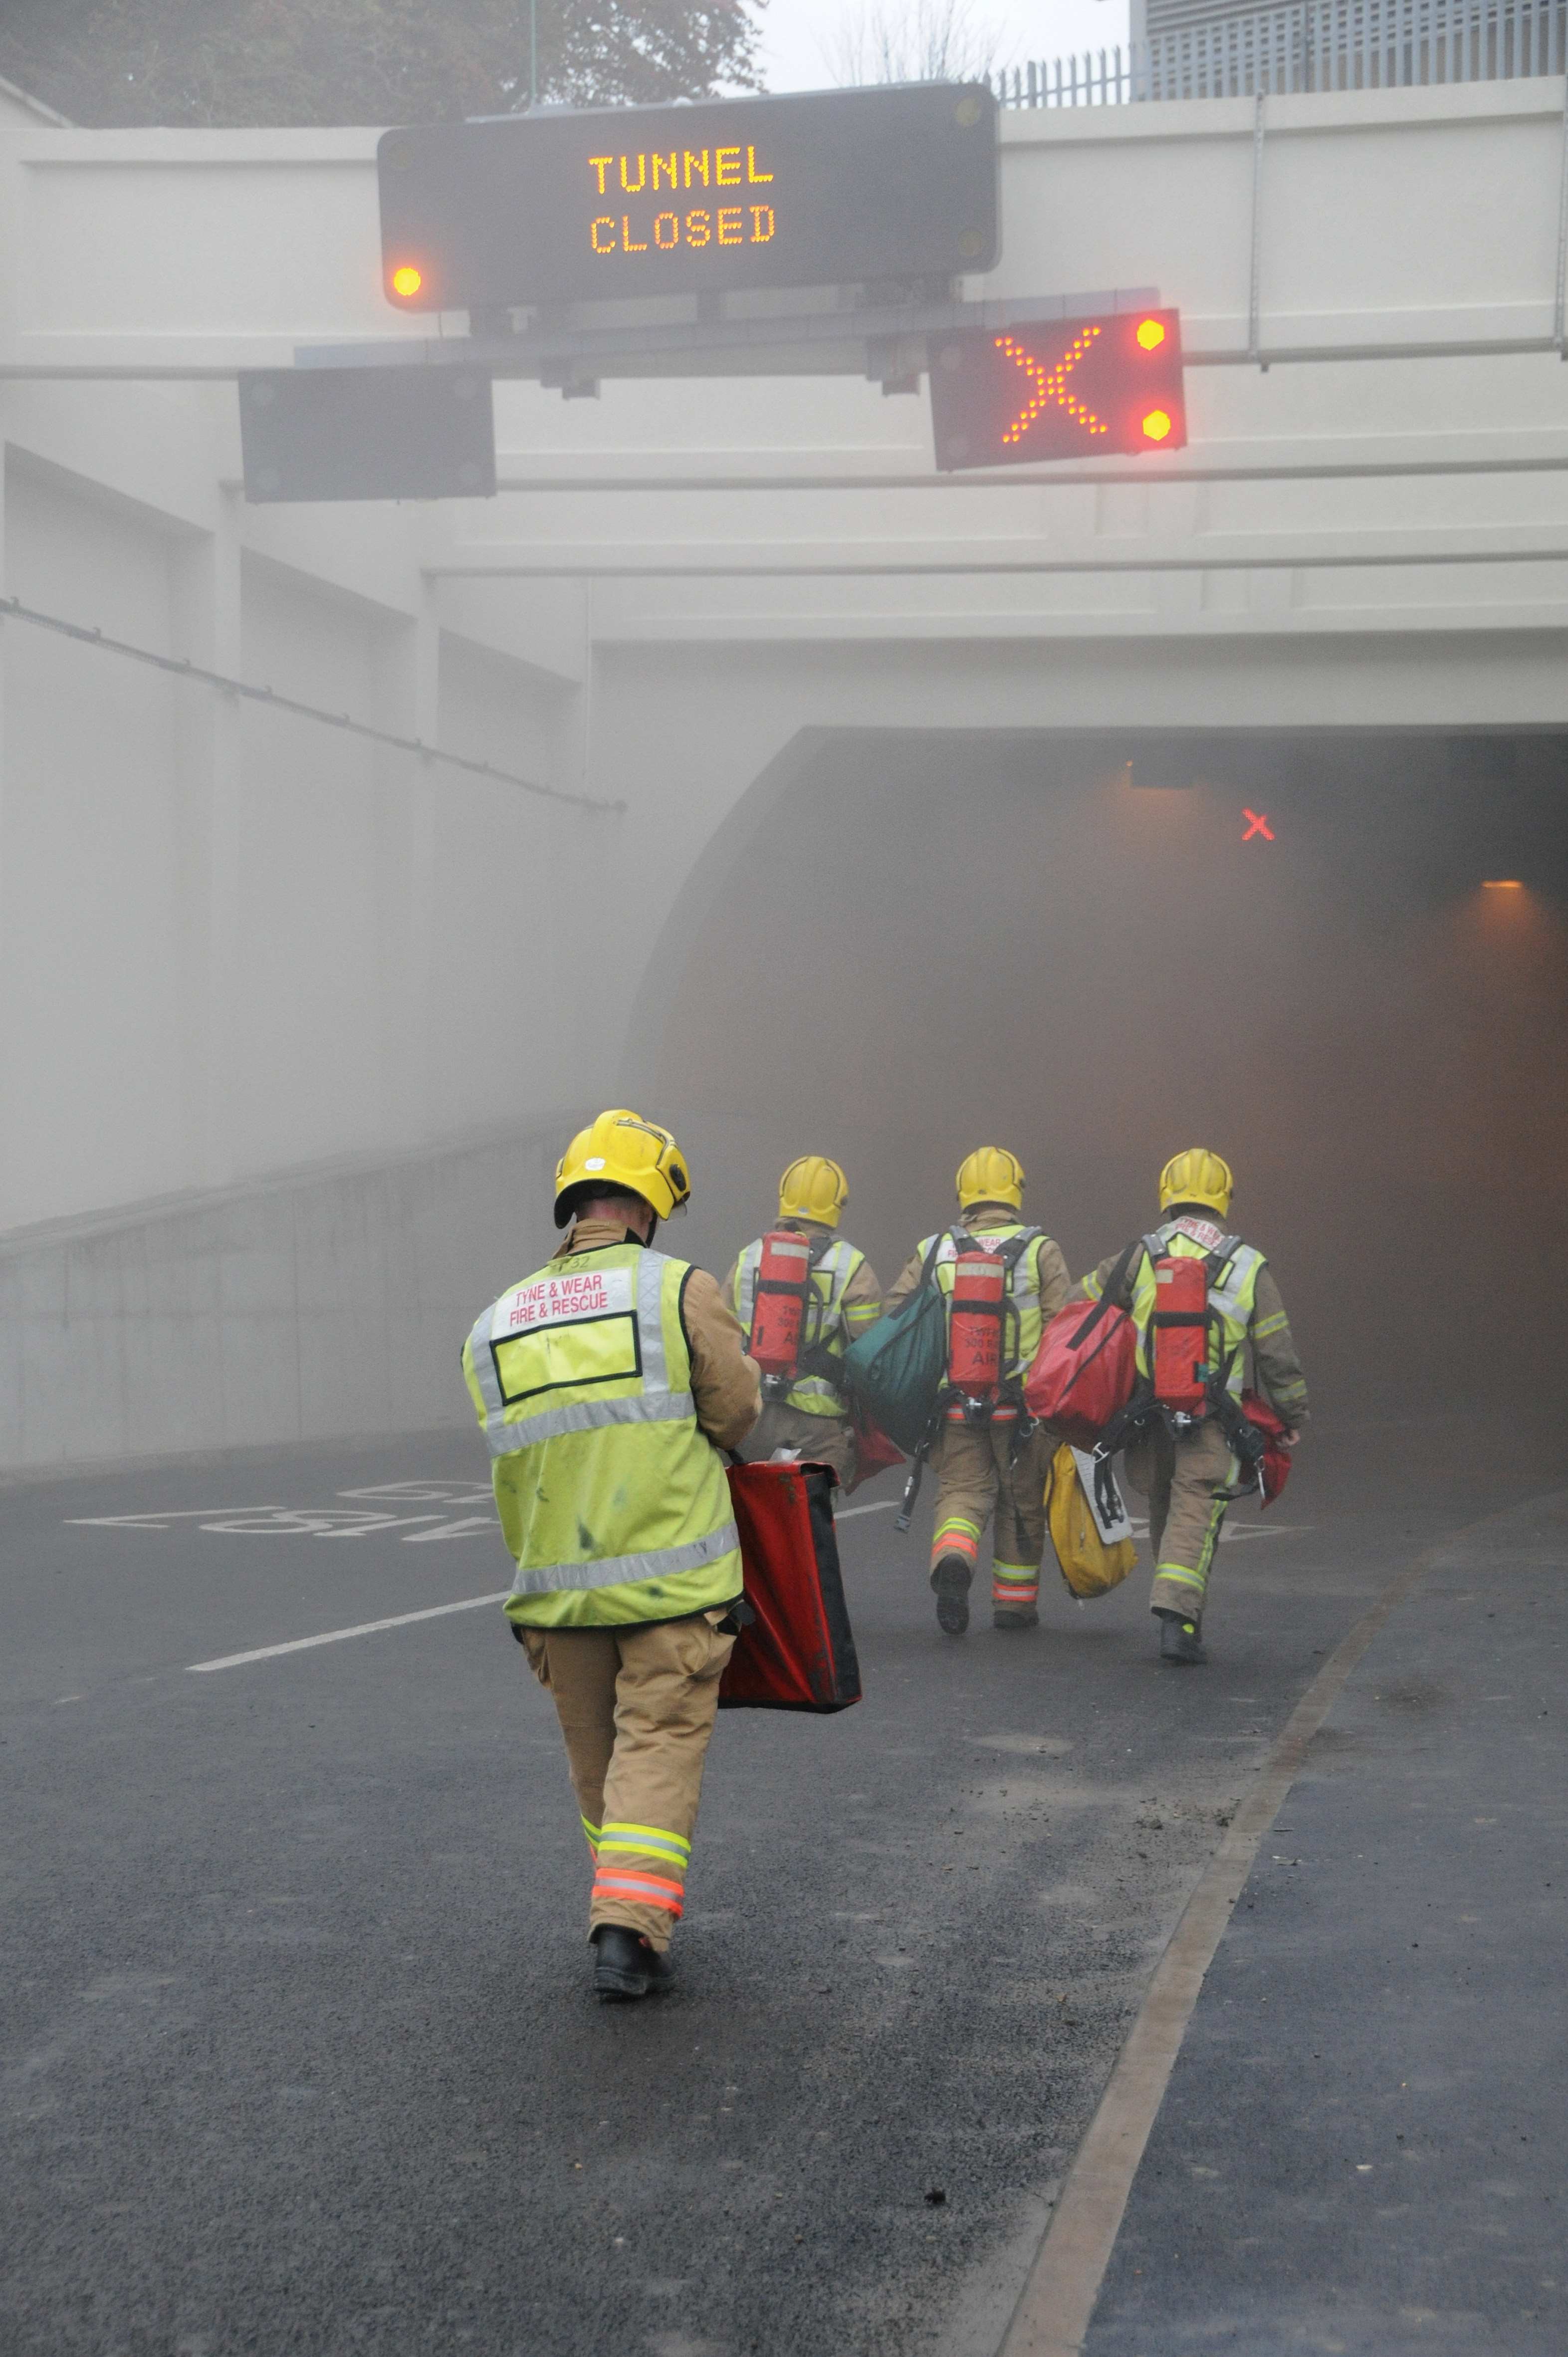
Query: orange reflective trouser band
[956, 1535]
[644, 1864]
[1014, 1585]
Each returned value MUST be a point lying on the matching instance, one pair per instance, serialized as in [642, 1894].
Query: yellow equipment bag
[1092, 1562]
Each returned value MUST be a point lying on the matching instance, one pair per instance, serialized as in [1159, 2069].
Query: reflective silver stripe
[615, 1570]
[587, 1415]
[745, 1287]
[650, 1268]
[484, 1368]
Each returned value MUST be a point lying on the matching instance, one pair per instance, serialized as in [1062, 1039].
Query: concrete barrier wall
[333, 1302]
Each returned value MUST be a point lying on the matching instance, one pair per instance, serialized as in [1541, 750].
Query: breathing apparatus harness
[982, 1303]
[783, 1299]
[1187, 1385]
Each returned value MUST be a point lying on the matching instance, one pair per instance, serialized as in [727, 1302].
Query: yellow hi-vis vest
[1021, 1328]
[823, 1326]
[1231, 1292]
[613, 1501]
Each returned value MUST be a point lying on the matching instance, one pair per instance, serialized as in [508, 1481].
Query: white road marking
[350, 1522]
[882, 1506]
[162, 1520]
[338, 1636]
[431, 1493]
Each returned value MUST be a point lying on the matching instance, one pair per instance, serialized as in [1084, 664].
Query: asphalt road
[298, 2048]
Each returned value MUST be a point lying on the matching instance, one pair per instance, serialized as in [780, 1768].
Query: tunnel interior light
[407, 279]
[1152, 334]
[1157, 424]
[1502, 884]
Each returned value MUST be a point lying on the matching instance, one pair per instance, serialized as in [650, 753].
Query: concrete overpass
[293, 1021]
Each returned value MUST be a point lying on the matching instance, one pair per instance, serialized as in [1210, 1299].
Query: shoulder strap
[1108, 1291]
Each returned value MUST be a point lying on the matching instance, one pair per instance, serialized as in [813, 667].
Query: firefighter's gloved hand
[1290, 1438]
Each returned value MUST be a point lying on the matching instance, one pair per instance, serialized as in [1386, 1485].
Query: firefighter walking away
[606, 1385]
[1199, 1300]
[1003, 1281]
[802, 1293]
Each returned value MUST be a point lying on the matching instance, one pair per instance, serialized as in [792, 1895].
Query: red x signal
[1048, 389]
[1257, 823]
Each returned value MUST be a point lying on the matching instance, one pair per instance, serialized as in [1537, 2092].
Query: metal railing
[1309, 45]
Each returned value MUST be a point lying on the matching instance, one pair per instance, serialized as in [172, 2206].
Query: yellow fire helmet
[1197, 1177]
[813, 1189]
[990, 1175]
[621, 1149]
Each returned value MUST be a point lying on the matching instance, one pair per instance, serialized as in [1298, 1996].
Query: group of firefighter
[614, 1385]
[1199, 1300]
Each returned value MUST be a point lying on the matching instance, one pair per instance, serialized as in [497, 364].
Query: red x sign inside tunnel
[1257, 823]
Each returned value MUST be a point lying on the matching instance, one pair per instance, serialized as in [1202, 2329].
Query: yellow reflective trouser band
[956, 1535]
[592, 1833]
[1184, 1575]
[1014, 1583]
[647, 1841]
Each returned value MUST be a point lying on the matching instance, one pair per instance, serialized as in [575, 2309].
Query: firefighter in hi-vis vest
[802, 1295]
[607, 1383]
[1186, 1466]
[988, 1454]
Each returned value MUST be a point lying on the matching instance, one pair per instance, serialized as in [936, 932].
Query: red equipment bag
[779, 1307]
[874, 1452]
[797, 1653]
[974, 1324]
[1178, 1343]
[1087, 1364]
[1276, 1463]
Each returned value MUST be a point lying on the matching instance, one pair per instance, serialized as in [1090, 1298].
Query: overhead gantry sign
[829, 188]
[547, 229]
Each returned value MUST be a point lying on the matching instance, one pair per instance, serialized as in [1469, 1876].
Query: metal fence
[1309, 45]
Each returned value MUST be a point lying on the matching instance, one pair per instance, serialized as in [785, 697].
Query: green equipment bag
[895, 1370]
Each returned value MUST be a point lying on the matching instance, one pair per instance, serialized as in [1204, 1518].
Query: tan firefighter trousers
[637, 1707]
[1185, 1479]
[974, 1474]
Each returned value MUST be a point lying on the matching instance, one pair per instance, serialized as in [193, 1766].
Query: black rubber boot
[626, 1966]
[1179, 1640]
[1022, 1616]
[950, 1579]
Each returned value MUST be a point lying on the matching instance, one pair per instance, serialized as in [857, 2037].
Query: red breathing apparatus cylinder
[779, 1309]
[1180, 1338]
[974, 1327]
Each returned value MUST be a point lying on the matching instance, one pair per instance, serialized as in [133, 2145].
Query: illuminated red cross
[1048, 385]
[1257, 823]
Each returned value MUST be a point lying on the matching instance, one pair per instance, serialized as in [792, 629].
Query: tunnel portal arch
[1083, 945]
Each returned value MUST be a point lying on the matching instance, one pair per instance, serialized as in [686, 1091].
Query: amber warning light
[406, 280]
[1110, 386]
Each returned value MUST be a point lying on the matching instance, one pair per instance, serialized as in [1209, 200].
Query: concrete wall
[334, 1302]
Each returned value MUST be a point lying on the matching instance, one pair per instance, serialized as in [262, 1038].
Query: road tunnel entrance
[1340, 958]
